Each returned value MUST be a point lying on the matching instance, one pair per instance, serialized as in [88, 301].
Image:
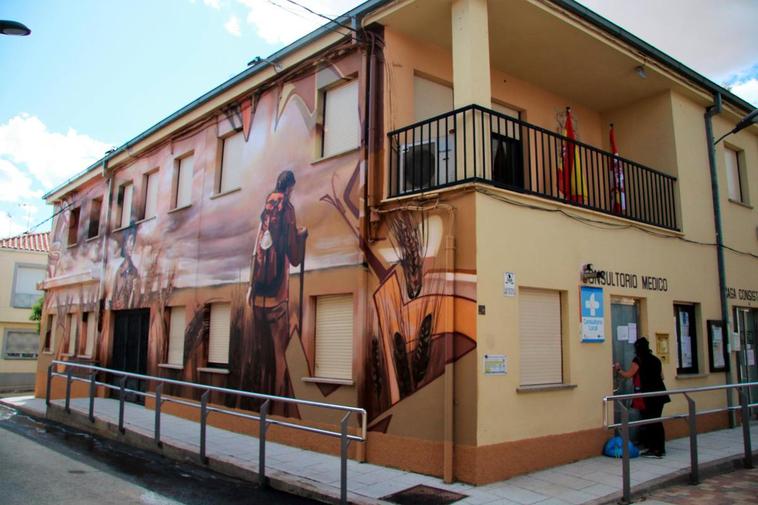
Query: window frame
[94, 217]
[561, 315]
[209, 362]
[692, 310]
[74, 219]
[32, 333]
[175, 181]
[350, 377]
[152, 174]
[14, 293]
[88, 322]
[120, 195]
[73, 317]
[48, 343]
[323, 96]
[218, 183]
[167, 358]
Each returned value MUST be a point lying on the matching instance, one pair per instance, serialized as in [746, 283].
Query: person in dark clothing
[651, 379]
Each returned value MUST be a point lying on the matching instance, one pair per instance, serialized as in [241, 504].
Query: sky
[94, 74]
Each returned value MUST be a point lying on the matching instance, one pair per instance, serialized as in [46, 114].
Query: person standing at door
[650, 372]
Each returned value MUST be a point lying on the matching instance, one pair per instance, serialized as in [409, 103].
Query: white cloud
[48, 157]
[9, 227]
[215, 4]
[278, 21]
[14, 184]
[233, 26]
[747, 90]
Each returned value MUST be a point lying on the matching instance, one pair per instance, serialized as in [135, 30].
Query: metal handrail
[691, 416]
[205, 409]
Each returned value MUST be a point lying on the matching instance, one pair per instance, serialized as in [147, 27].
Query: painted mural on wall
[292, 228]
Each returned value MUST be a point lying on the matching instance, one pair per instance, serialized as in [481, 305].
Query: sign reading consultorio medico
[631, 281]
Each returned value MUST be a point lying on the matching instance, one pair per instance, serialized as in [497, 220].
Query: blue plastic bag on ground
[614, 448]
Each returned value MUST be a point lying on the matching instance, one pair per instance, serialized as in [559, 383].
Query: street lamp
[13, 28]
[744, 123]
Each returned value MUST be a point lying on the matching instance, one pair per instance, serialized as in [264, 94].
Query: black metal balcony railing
[475, 144]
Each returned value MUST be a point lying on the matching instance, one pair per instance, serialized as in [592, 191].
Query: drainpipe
[709, 113]
[448, 470]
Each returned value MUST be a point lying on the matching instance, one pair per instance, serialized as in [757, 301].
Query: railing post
[692, 420]
[121, 398]
[344, 443]
[626, 498]
[49, 384]
[92, 390]
[158, 403]
[262, 425]
[68, 390]
[746, 427]
[203, 418]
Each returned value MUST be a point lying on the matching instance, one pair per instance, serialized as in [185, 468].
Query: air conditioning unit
[426, 164]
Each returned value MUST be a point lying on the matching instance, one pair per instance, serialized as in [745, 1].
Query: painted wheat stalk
[376, 368]
[409, 243]
[400, 355]
[422, 352]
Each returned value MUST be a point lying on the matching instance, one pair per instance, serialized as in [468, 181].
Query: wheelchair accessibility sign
[593, 318]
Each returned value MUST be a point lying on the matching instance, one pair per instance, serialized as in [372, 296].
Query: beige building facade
[466, 255]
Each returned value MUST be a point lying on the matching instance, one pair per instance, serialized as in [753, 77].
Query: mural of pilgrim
[278, 244]
[126, 280]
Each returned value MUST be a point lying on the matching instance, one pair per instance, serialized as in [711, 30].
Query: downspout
[709, 113]
[449, 376]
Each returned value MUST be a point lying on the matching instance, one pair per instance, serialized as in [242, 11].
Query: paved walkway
[738, 488]
[591, 481]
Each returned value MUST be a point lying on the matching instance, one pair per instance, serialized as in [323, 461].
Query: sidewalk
[591, 481]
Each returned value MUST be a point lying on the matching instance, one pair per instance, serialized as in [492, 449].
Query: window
[176, 336]
[430, 98]
[50, 333]
[342, 125]
[218, 341]
[93, 230]
[73, 330]
[230, 169]
[334, 337]
[184, 173]
[20, 344]
[735, 175]
[686, 339]
[507, 150]
[150, 188]
[25, 281]
[541, 359]
[90, 330]
[73, 226]
[124, 202]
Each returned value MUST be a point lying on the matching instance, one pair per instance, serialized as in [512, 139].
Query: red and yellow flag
[570, 178]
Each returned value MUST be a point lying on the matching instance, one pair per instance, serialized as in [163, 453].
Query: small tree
[36, 314]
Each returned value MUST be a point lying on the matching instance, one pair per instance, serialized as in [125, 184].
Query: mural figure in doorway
[126, 282]
[278, 244]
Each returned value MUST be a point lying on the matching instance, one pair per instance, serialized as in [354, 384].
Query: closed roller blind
[91, 330]
[540, 333]
[27, 279]
[20, 344]
[126, 206]
[184, 182]
[733, 174]
[430, 98]
[334, 336]
[151, 195]
[176, 336]
[231, 162]
[342, 125]
[73, 328]
[53, 331]
[218, 344]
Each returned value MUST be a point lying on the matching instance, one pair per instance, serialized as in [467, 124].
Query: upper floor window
[342, 125]
[25, 291]
[124, 202]
[20, 344]
[183, 172]
[735, 175]
[150, 189]
[229, 175]
[73, 226]
[95, 209]
[430, 98]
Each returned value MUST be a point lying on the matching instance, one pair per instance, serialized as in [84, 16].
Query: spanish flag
[570, 178]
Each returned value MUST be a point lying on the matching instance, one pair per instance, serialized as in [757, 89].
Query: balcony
[475, 144]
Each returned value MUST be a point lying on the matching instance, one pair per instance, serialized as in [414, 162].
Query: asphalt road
[47, 463]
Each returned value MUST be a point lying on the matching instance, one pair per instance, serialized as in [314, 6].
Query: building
[23, 263]
[387, 214]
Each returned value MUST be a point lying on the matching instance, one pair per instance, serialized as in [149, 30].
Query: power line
[332, 20]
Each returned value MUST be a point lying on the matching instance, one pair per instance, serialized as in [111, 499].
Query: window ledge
[326, 380]
[544, 387]
[171, 367]
[227, 192]
[222, 371]
[335, 155]
[49, 353]
[177, 209]
[688, 376]
[67, 355]
[90, 239]
[145, 220]
[741, 204]
[72, 245]
[122, 228]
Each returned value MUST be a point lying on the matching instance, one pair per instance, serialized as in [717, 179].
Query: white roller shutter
[342, 125]
[53, 321]
[184, 182]
[231, 163]
[91, 330]
[176, 336]
[430, 98]
[504, 127]
[541, 361]
[731, 158]
[126, 206]
[73, 329]
[151, 195]
[218, 343]
[334, 337]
